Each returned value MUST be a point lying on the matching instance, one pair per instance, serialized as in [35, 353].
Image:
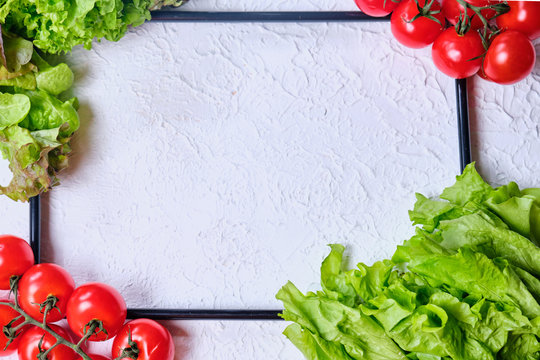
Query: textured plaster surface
[216, 161]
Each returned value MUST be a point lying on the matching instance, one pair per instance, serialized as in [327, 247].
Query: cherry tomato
[96, 301]
[452, 53]
[418, 33]
[28, 346]
[452, 9]
[524, 16]
[16, 257]
[95, 357]
[38, 283]
[510, 58]
[483, 75]
[7, 314]
[377, 8]
[153, 340]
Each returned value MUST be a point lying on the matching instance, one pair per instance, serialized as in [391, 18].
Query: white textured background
[216, 161]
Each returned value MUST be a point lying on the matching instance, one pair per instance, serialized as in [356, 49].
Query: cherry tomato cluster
[490, 38]
[45, 294]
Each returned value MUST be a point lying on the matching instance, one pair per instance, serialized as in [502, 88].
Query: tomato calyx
[11, 332]
[499, 8]
[14, 285]
[130, 352]
[42, 355]
[48, 305]
[464, 24]
[93, 327]
[425, 11]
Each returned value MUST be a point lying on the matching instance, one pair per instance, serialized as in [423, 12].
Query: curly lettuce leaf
[521, 347]
[466, 286]
[313, 346]
[476, 274]
[58, 26]
[360, 335]
[354, 286]
[469, 186]
[478, 231]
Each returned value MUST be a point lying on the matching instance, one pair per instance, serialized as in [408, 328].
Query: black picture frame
[462, 110]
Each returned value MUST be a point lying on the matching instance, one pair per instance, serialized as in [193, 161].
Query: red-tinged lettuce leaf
[24, 82]
[3, 60]
[35, 158]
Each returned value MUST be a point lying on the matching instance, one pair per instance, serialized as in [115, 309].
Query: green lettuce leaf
[479, 232]
[47, 112]
[26, 82]
[18, 52]
[35, 126]
[313, 346]
[360, 335]
[55, 80]
[13, 109]
[58, 26]
[469, 186]
[429, 212]
[465, 286]
[521, 347]
[476, 274]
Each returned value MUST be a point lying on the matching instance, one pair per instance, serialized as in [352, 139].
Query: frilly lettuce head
[465, 287]
[35, 126]
[57, 26]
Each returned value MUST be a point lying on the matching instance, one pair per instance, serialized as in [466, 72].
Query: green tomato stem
[28, 320]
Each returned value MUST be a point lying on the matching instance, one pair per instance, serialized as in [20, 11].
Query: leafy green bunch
[465, 287]
[35, 125]
[57, 26]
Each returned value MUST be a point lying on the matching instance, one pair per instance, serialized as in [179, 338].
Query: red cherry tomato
[452, 53]
[28, 346]
[418, 33]
[95, 357]
[16, 257]
[96, 301]
[524, 16]
[452, 9]
[510, 58]
[153, 340]
[7, 314]
[483, 75]
[377, 8]
[38, 283]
